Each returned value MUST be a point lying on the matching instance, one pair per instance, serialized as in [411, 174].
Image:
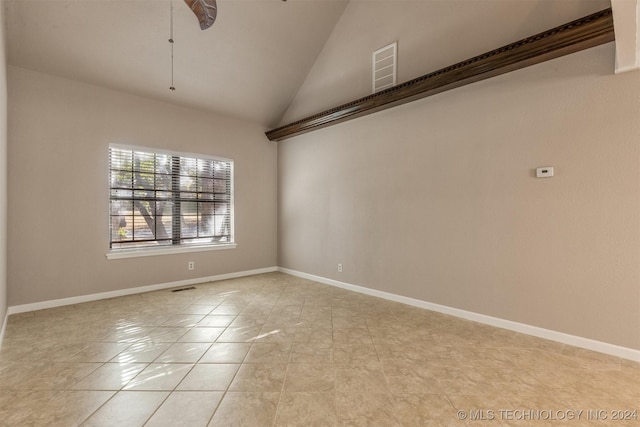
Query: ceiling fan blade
[205, 10]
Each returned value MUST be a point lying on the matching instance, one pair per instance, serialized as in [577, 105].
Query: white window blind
[164, 199]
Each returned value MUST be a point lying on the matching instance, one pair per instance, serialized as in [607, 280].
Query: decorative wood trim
[583, 33]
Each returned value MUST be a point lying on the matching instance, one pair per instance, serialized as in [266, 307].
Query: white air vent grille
[385, 63]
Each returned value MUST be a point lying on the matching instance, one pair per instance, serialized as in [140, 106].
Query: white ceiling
[250, 64]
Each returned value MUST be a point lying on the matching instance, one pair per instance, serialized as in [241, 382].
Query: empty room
[319, 213]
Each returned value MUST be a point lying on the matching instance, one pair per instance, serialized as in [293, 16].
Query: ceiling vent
[385, 63]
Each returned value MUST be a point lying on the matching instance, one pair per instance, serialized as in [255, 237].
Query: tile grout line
[215, 341]
[286, 372]
[224, 393]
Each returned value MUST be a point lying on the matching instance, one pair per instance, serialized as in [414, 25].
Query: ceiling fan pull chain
[172, 87]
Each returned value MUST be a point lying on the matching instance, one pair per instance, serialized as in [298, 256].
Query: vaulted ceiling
[250, 64]
[253, 61]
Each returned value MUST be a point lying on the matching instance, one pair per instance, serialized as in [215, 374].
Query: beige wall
[59, 131]
[437, 200]
[3, 170]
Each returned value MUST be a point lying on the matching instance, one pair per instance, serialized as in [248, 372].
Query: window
[165, 200]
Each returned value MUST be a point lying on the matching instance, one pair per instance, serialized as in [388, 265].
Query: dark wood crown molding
[583, 33]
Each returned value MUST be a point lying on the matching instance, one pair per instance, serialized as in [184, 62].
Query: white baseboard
[561, 337]
[599, 346]
[4, 327]
[119, 293]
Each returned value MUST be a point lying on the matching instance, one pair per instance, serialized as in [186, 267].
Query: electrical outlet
[339, 268]
[191, 265]
[545, 172]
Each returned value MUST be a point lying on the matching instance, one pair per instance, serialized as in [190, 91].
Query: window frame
[116, 253]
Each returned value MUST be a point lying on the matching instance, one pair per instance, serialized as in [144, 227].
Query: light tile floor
[276, 350]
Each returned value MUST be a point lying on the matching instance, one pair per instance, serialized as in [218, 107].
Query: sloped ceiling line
[583, 33]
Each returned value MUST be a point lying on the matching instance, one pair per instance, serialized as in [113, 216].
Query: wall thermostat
[545, 172]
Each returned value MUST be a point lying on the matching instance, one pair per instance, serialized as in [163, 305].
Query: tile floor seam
[210, 419]
[157, 408]
[225, 392]
[98, 408]
[286, 372]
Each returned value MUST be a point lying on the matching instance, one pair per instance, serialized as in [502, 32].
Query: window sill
[134, 253]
